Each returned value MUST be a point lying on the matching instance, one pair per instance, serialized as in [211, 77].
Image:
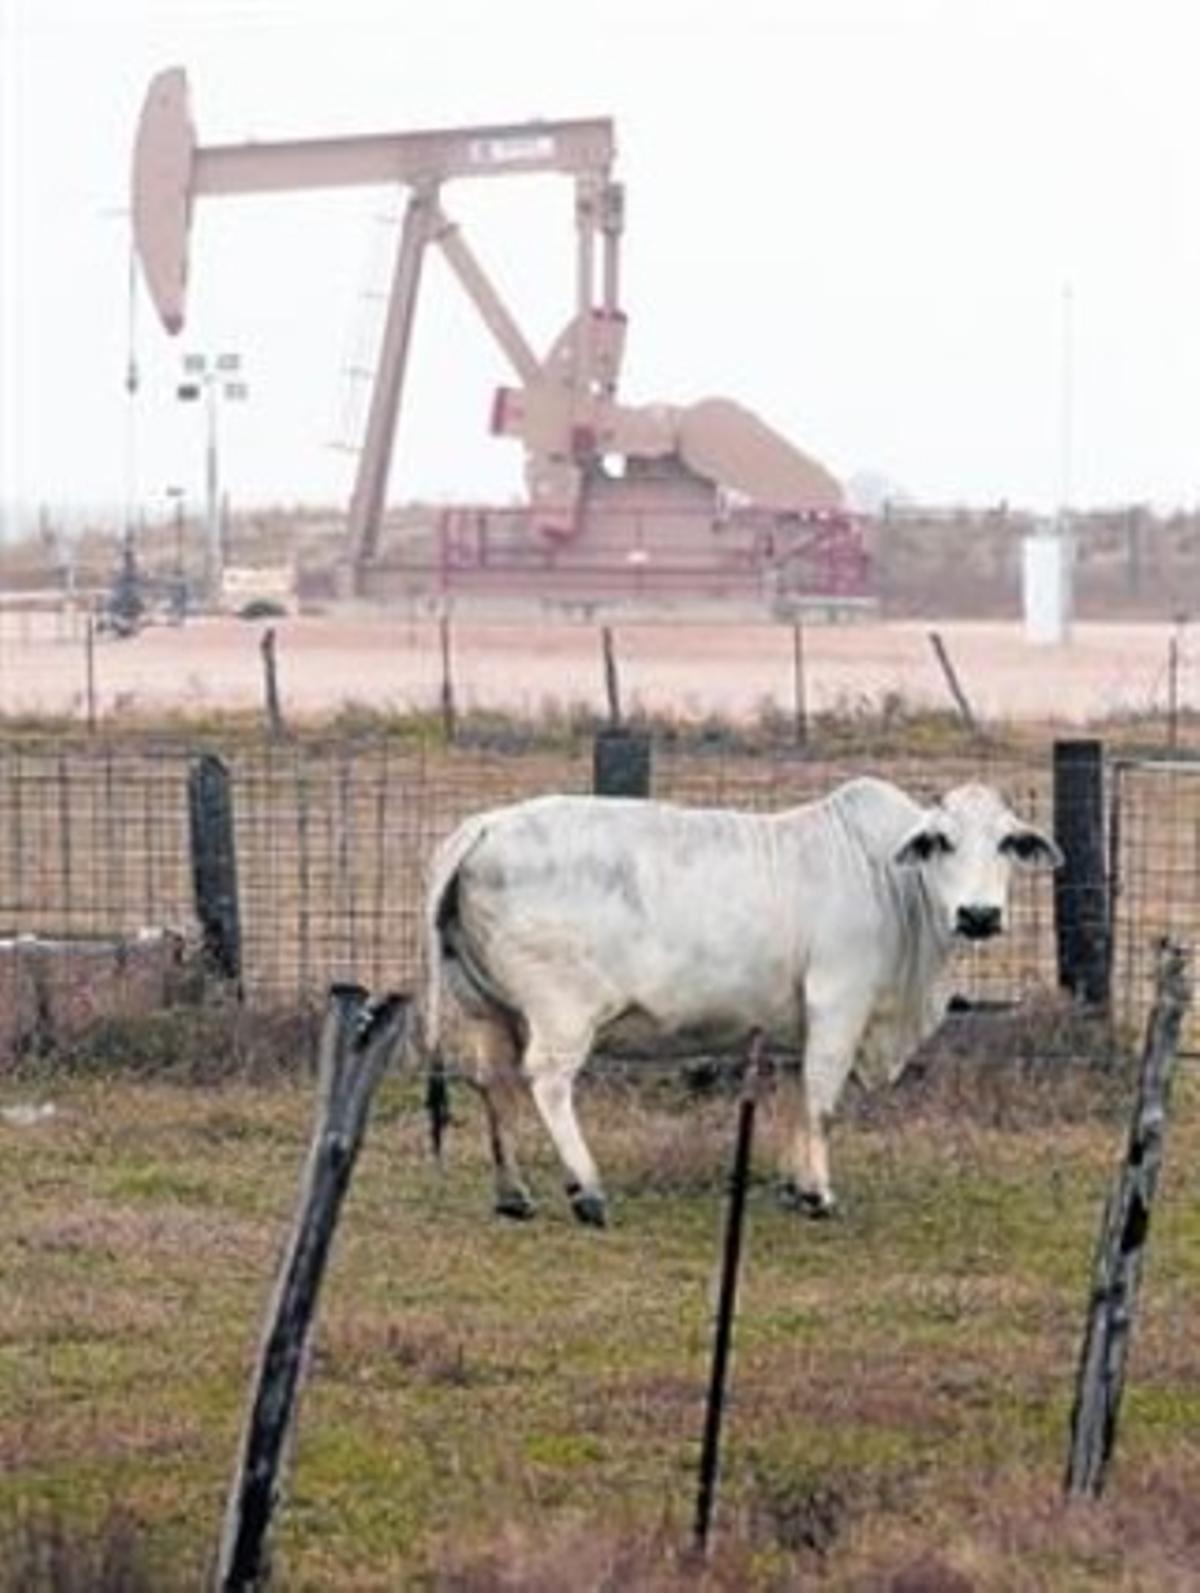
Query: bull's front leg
[836, 1020]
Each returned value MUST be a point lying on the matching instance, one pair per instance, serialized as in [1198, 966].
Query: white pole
[1067, 415]
[1048, 554]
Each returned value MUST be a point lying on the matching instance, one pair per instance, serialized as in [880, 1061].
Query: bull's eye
[931, 843]
[1022, 845]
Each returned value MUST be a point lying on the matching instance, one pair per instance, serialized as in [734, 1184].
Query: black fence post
[214, 866]
[1082, 921]
[1121, 1248]
[731, 1255]
[356, 1043]
[621, 763]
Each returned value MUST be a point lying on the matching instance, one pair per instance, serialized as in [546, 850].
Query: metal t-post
[731, 1255]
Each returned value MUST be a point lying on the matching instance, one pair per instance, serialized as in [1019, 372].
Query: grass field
[519, 1407]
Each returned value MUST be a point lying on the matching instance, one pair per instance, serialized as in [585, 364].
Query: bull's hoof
[515, 1204]
[589, 1206]
[815, 1203]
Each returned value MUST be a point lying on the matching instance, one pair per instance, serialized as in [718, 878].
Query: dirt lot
[326, 663]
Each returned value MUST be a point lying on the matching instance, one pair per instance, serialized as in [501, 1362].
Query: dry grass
[46, 1555]
[496, 1407]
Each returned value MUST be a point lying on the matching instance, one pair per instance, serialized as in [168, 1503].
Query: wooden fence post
[89, 667]
[739, 1178]
[1121, 1248]
[612, 680]
[448, 706]
[275, 722]
[799, 689]
[621, 763]
[961, 701]
[1081, 885]
[214, 866]
[356, 1043]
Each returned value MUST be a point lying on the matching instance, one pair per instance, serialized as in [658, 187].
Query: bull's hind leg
[550, 1066]
[494, 1054]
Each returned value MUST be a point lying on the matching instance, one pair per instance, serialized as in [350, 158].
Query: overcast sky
[860, 219]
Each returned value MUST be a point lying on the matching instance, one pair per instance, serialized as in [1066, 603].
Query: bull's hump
[876, 811]
[614, 822]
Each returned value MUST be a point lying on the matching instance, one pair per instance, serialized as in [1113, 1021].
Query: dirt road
[733, 671]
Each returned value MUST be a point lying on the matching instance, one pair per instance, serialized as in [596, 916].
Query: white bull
[567, 924]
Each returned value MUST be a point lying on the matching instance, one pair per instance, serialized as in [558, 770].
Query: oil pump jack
[660, 505]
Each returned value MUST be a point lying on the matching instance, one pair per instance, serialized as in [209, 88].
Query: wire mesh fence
[332, 842]
[1154, 850]
[332, 848]
[94, 841]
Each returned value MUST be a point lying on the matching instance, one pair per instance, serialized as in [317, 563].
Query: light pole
[179, 585]
[210, 381]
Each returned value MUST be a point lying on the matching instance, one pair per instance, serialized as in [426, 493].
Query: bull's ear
[1031, 848]
[927, 839]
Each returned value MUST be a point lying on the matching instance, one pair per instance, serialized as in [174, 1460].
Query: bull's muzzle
[978, 923]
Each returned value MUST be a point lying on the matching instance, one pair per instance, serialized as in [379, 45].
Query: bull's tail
[440, 908]
[437, 1102]
[422, 1057]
